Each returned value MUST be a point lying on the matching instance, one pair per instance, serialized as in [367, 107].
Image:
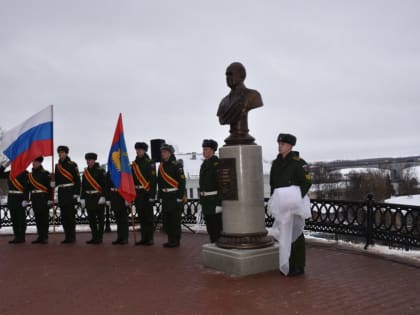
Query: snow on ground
[411, 200]
[382, 250]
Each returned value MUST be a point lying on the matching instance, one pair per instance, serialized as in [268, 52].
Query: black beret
[91, 156]
[63, 148]
[167, 147]
[39, 159]
[209, 143]
[141, 145]
[287, 137]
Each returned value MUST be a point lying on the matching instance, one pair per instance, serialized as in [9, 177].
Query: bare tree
[327, 185]
[370, 181]
[409, 183]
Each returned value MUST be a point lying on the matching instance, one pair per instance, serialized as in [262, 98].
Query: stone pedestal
[241, 262]
[244, 218]
[244, 247]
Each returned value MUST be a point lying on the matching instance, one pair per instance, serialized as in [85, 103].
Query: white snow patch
[411, 200]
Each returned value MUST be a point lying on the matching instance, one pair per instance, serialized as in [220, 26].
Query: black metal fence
[367, 221]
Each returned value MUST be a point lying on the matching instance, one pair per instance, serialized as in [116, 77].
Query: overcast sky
[343, 76]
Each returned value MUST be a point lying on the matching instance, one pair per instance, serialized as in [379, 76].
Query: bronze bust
[234, 107]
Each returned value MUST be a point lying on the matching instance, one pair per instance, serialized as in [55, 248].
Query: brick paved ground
[107, 279]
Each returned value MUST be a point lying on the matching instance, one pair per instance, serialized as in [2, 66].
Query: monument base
[244, 240]
[241, 262]
[242, 190]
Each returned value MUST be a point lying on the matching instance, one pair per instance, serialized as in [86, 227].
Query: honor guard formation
[94, 190]
[97, 189]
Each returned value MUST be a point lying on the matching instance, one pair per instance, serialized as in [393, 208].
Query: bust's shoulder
[252, 92]
[254, 97]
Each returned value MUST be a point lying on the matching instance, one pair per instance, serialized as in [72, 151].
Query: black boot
[296, 271]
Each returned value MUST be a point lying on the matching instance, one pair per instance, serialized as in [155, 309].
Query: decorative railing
[367, 221]
[391, 224]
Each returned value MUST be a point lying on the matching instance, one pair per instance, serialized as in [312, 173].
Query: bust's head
[235, 74]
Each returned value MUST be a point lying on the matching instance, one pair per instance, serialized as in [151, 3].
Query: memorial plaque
[228, 186]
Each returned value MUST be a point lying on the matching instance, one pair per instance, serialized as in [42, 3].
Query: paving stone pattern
[126, 279]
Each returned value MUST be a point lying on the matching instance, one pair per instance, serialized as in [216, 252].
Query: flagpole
[52, 169]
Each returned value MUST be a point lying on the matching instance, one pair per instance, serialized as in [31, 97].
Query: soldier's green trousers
[68, 213]
[42, 214]
[121, 215]
[96, 217]
[214, 226]
[171, 211]
[18, 215]
[297, 254]
[145, 210]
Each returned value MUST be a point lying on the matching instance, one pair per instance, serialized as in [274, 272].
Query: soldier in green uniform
[93, 197]
[119, 208]
[289, 169]
[144, 174]
[39, 185]
[17, 201]
[67, 180]
[171, 182]
[209, 196]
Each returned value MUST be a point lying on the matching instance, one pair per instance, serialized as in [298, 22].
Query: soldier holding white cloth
[289, 204]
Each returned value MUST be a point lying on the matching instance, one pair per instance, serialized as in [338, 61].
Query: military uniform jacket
[144, 174]
[174, 170]
[94, 179]
[18, 183]
[209, 182]
[66, 172]
[39, 180]
[288, 171]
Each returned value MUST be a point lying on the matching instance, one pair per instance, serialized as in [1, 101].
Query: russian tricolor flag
[119, 165]
[29, 140]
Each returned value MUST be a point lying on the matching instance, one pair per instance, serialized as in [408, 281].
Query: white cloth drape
[290, 211]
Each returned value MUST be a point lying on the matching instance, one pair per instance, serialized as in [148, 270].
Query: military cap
[287, 137]
[62, 148]
[39, 159]
[141, 145]
[167, 147]
[210, 143]
[91, 156]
